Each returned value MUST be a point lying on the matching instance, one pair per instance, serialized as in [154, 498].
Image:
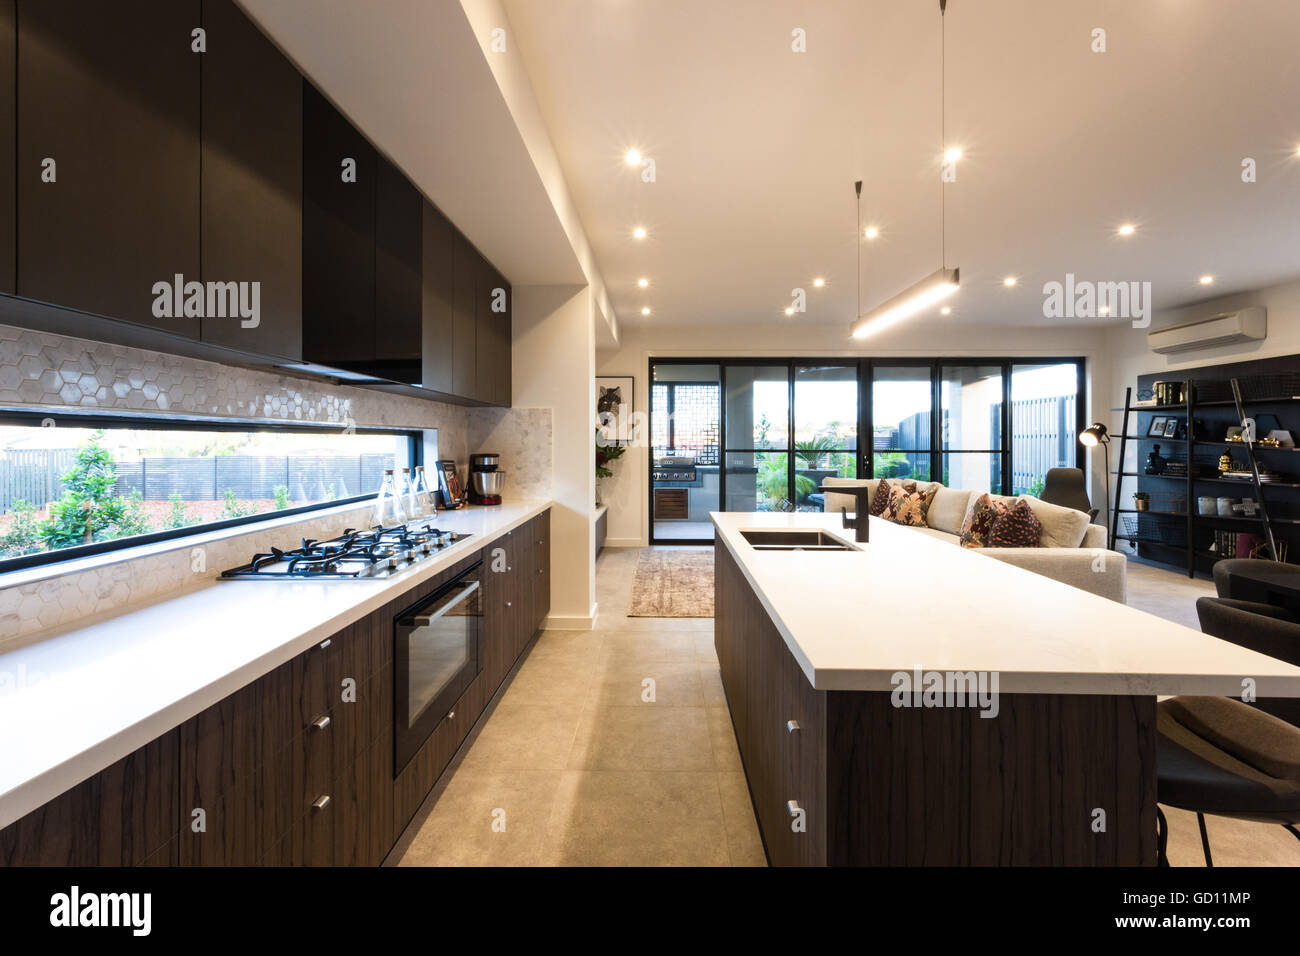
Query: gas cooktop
[376, 553]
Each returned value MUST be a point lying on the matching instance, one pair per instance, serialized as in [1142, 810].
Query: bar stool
[1216, 755]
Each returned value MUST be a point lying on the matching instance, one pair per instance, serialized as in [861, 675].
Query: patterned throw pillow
[1017, 527]
[979, 520]
[909, 504]
[880, 500]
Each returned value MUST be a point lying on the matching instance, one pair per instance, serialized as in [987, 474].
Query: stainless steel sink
[768, 539]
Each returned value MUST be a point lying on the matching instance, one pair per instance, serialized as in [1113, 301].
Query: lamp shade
[1095, 434]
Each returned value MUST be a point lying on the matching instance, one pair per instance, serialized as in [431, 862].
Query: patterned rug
[673, 584]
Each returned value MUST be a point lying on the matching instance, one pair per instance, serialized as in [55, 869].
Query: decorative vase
[1141, 504]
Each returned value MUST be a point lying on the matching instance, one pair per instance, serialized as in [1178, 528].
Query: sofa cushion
[835, 502]
[909, 504]
[983, 511]
[1062, 527]
[948, 509]
[1095, 536]
[880, 499]
[1016, 527]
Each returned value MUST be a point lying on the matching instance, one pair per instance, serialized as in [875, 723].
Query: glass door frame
[866, 425]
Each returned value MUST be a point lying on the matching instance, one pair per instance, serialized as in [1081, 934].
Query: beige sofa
[1088, 565]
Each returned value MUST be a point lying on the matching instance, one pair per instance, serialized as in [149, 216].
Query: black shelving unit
[1173, 532]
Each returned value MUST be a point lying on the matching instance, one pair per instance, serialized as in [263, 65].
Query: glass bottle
[410, 501]
[388, 503]
[428, 501]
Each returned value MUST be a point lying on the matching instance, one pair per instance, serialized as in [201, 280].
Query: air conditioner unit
[1246, 325]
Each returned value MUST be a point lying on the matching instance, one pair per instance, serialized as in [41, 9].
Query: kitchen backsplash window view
[65, 487]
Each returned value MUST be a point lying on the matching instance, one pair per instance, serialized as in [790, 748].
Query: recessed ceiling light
[1009, 281]
[819, 282]
[1207, 280]
[643, 282]
[633, 158]
[1127, 229]
[645, 310]
[789, 310]
[946, 310]
[953, 154]
[639, 232]
[871, 232]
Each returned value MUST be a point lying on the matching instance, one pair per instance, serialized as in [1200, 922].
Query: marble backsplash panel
[523, 439]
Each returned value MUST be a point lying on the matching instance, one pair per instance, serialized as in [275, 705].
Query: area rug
[673, 584]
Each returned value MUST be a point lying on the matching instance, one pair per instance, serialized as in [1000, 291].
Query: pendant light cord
[857, 188]
[943, 133]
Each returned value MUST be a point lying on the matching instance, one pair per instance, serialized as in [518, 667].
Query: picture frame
[1157, 427]
[449, 486]
[1171, 428]
[615, 406]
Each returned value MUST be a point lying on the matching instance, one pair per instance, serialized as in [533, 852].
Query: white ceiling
[757, 147]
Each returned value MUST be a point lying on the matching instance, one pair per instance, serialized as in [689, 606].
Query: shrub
[23, 535]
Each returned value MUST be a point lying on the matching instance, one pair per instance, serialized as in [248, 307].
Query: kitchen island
[910, 702]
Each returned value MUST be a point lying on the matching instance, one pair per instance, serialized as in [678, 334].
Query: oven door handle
[466, 589]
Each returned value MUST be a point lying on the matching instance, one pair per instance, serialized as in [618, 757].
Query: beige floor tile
[569, 645]
[648, 645]
[622, 683]
[704, 648]
[553, 677]
[525, 736]
[711, 683]
[1232, 842]
[722, 738]
[650, 737]
[743, 840]
[487, 819]
[638, 819]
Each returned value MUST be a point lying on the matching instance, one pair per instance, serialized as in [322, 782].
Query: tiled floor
[573, 768]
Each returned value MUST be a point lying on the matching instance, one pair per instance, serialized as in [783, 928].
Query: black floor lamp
[1092, 436]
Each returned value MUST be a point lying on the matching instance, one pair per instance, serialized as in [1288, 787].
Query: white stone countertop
[906, 600]
[87, 695]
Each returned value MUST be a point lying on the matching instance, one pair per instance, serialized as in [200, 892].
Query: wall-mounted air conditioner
[1245, 325]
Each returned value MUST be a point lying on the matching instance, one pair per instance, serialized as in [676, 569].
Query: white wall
[626, 493]
[553, 355]
[1129, 356]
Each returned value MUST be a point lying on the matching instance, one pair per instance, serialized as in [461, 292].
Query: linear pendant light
[939, 284]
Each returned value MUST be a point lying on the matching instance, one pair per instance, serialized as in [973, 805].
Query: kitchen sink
[793, 540]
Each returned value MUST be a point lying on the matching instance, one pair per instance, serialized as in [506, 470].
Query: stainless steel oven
[438, 651]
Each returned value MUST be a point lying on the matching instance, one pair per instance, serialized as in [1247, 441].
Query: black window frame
[76, 419]
[866, 423]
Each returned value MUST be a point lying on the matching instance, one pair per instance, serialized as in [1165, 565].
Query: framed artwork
[614, 406]
[1171, 428]
[1157, 428]
[449, 485]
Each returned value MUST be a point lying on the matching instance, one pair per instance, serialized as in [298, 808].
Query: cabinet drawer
[802, 766]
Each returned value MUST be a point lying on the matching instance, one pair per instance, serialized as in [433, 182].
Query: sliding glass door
[762, 435]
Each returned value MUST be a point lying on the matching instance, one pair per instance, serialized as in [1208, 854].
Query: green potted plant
[1141, 501]
[606, 453]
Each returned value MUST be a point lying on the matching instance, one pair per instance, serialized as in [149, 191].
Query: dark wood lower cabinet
[296, 768]
[847, 778]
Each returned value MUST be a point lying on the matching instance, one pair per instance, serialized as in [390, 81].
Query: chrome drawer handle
[320, 723]
[451, 715]
[792, 725]
[508, 604]
[325, 643]
[793, 807]
[321, 802]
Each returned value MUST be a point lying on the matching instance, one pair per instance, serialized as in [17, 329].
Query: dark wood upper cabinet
[464, 331]
[502, 325]
[439, 301]
[338, 237]
[8, 130]
[399, 239]
[492, 318]
[110, 93]
[252, 181]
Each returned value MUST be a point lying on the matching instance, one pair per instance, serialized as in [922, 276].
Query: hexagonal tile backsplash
[52, 373]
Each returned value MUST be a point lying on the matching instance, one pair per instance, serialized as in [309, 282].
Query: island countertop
[853, 619]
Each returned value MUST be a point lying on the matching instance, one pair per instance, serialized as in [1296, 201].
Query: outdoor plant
[236, 509]
[178, 516]
[23, 536]
[132, 519]
[88, 510]
[281, 493]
